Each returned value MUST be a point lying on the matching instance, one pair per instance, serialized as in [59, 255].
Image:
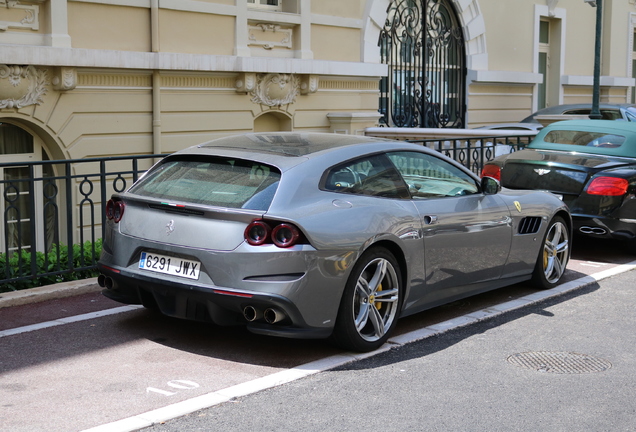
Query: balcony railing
[52, 219]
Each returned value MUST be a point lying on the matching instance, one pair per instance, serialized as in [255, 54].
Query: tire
[553, 255]
[370, 303]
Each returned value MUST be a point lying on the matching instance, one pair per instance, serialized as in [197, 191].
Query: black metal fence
[52, 218]
[473, 153]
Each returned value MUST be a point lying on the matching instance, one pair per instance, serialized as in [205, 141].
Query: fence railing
[473, 153]
[52, 219]
[51, 211]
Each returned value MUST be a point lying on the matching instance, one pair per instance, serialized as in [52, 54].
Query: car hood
[556, 171]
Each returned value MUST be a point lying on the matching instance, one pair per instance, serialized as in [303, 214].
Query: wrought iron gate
[423, 44]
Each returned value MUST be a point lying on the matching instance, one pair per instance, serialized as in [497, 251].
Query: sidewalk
[48, 292]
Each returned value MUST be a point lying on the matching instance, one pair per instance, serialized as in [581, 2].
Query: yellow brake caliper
[378, 305]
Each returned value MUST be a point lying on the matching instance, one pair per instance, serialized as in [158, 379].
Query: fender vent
[529, 225]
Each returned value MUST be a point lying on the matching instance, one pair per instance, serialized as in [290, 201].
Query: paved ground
[565, 364]
[78, 361]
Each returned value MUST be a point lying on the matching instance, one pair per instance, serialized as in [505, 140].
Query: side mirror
[490, 186]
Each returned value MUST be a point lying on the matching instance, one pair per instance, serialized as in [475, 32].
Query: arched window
[22, 193]
[423, 44]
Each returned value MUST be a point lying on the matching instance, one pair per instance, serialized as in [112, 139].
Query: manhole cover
[559, 362]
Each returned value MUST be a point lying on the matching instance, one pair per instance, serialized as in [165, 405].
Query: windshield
[222, 182]
[630, 113]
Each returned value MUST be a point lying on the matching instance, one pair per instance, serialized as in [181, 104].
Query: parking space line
[179, 409]
[68, 320]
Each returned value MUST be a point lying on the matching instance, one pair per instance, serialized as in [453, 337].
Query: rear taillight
[491, 170]
[114, 210]
[608, 186]
[257, 233]
[283, 235]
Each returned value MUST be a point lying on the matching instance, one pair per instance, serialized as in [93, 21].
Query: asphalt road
[480, 377]
[87, 363]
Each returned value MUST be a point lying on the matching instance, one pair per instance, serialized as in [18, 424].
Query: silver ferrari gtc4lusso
[322, 235]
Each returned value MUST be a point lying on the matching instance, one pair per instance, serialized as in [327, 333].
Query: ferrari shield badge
[518, 206]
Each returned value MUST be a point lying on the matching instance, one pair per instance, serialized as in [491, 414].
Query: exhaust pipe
[251, 314]
[592, 230]
[272, 316]
[110, 283]
[101, 280]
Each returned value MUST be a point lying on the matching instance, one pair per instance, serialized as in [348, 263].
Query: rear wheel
[553, 255]
[370, 303]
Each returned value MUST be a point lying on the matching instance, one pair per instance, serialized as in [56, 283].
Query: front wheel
[370, 302]
[553, 255]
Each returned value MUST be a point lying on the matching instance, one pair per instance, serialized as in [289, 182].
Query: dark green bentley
[590, 165]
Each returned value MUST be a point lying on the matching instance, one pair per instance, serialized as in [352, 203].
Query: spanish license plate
[170, 265]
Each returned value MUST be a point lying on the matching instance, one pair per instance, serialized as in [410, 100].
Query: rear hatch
[189, 226]
[556, 171]
[199, 202]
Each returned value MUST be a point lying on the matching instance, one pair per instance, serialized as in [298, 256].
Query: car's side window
[429, 176]
[370, 175]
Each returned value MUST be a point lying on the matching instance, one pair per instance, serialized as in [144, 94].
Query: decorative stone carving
[275, 89]
[245, 82]
[551, 5]
[308, 84]
[270, 36]
[19, 15]
[21, 86]
[65, 78]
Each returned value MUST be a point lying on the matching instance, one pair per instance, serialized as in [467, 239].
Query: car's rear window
[584, 138]
[222, 182]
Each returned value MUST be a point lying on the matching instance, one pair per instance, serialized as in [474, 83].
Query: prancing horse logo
[170, 227]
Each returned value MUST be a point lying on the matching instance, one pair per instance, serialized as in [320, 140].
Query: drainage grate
[559, 362]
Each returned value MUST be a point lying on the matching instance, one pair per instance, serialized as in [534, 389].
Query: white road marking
[179, 409]
[68, 320]
[592, 264]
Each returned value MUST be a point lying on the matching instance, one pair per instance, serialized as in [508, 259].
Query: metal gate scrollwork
[423, 44]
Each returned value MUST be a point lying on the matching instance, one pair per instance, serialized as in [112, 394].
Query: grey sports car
[322, 235]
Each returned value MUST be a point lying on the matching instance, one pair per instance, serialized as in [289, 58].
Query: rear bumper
[602, 227]
[222, 306]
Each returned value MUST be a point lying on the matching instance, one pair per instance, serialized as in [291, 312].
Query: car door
[466, 234]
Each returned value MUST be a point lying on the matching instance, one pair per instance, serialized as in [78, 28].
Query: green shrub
[56, 260]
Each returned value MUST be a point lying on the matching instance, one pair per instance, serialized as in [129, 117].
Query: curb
[49, 292]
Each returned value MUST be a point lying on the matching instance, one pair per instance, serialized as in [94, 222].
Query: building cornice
[75, 57]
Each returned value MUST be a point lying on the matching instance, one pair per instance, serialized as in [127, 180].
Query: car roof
[558, 109]
[289, 149]
[623, 128]
[288, 143]
[592, 125]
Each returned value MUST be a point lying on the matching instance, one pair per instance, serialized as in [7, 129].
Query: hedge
[55, 263]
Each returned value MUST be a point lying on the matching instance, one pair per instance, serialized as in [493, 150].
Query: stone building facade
[93, 78]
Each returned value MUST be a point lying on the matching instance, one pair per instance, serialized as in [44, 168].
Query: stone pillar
[353, 123]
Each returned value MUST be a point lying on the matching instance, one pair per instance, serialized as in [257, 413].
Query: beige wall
[109, 78]
[99, 26]
[202, 47]
[195, 33]
[335, 43]
[511, 42]
[345, 9]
